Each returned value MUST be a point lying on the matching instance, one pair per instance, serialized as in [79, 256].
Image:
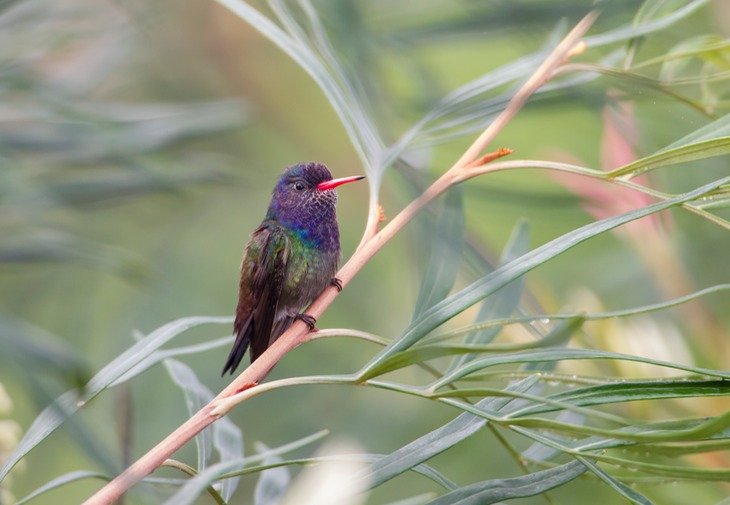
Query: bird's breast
[309, 272]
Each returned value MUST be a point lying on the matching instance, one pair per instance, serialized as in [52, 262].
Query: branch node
[483, 160]
[578, 48]
[246, 386]
[464, 172]
[381, 214]
[220, 408]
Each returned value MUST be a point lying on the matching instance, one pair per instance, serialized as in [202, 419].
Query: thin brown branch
[297, 334]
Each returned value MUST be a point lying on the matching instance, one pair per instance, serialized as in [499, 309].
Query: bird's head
[305, 193]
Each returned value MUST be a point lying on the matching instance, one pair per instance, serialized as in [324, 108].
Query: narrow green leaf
[645, 27]
[66, 248]
[541, 453]
[71, 401]
[560, 334]
[690, 152]
[630, 494]
[496, 490]
[225, 436]
[446, 248]
[161, 355]
[422, 353]
[228, 443]
[126, 130]
[360, 129]
[434, 127]
[651, 436]
[668, 471]
[675, 451]
[272, 483]
[634, 391]
[191, 472]
[35, 349]
[706, 429]
[196, 397]
[719, 128]
[505, 301]
[489, 284]
[705, 47]
[563, 354]
[62, 481]
[437, 441]
[145, 347]
[93, 188]
[596, 316]
[286, 448]
[194, 487]
[421, 469]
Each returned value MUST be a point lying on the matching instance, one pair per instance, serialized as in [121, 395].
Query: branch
[465, 168]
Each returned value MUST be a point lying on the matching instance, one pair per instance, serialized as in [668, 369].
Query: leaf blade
[516, 268]
[71, 401]
[496, 490]
[437, 441]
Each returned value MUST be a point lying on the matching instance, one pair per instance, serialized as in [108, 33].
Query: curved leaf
[563, 354]
[194, 487]
[717, 129]
[630, 494]
[437, 441]
[419, 354]
[70, 402]
[634, 391]
[225, 436]
[446, 247]
[645, 27]
[493, 491]
[62, 481]
[480, 289]
[36, 349]
[505, 301]
[595, 316]
[691, 152]
[272, 483]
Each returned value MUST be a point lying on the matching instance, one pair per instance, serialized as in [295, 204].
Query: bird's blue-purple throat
[289, 260]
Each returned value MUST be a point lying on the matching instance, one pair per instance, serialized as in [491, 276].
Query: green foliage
[64, 151]
[494, 491]
[448, 239]
[559, 404]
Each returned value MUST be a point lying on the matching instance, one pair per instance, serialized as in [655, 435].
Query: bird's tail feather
[243, 338]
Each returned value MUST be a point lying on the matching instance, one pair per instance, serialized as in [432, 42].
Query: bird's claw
[307, 319]
[336, 283]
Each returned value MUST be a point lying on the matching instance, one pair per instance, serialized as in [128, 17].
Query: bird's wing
[263, 270]
[268, 281]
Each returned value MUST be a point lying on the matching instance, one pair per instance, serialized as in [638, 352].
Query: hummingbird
[289, 259]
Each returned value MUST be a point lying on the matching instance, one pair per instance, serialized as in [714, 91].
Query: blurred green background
[138, 147]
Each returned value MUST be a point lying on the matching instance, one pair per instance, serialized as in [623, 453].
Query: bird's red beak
[333, 183]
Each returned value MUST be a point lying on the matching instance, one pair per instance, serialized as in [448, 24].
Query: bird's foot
[336, 283]
[308, 320]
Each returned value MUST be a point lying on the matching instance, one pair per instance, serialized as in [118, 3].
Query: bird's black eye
[299, 186]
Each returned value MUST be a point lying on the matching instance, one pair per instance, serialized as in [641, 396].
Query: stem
[171, 463]
[462, 170]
